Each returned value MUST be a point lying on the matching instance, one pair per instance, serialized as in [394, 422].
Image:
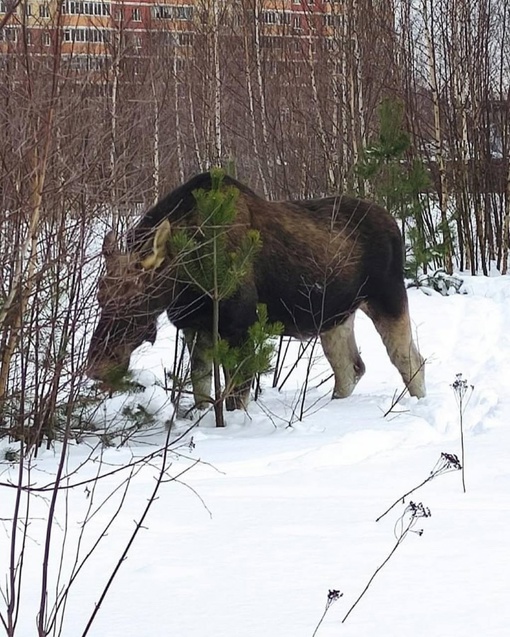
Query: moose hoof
[345, 389]
[238, 401]
[343, 393]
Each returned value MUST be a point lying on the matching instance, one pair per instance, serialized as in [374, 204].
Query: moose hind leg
[397, 337]
[341, 350]
[199, 345]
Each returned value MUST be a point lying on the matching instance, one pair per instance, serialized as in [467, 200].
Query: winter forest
[403, 102]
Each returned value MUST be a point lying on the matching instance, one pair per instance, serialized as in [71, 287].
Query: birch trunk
[260, 82]
[196, 144]
[506, 227]
[178, 139]
[326, 151]
[218, 150]
[432, 70]
[251, 106]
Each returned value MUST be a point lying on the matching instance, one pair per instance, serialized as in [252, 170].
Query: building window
[8, 35]
[332, 19]
[86, 8]
[276, 17]
[172, 12]
[86, 63]
[46, 39]
[185, 39]
[44, 11]
[136, 14]
[28, 9]
[85, 35]
[272, 42]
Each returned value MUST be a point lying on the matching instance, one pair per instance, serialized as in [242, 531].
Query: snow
[277, 512]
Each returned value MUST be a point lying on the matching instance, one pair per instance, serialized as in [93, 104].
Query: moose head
[130, 299]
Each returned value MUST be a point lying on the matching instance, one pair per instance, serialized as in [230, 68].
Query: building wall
[92, 27]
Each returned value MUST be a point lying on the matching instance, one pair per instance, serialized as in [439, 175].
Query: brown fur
[320, 260]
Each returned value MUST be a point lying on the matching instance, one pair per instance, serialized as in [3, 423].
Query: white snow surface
[248, 542]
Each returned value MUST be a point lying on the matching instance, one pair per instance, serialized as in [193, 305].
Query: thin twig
[398, 397]
[333, 596]
[138, 526]
[460, 389]
[415, 511]
[447, 462]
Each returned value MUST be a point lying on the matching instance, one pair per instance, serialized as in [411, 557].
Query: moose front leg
[238, 314]
[237, 396]
[199, 346]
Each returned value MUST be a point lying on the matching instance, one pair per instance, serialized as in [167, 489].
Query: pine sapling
[217, 264]
[400, 184]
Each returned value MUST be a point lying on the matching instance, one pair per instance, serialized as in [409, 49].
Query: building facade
[92, 31]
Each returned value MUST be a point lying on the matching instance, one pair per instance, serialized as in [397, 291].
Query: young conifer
[217, 269]
[400, 185]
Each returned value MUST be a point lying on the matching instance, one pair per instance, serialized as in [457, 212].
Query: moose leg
[397, 337]
[199, 344]
[238, 396]
[339, 346]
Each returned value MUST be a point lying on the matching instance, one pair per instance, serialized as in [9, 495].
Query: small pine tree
[117, 380]
[254, 356]
[206, 262]
[400, 185]
[209, 264]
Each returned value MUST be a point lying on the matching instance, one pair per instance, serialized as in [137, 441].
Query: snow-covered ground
[248, 542]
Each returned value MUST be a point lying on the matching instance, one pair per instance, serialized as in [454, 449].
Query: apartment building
[88, 33]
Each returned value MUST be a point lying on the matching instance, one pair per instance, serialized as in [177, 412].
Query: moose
[320, 260]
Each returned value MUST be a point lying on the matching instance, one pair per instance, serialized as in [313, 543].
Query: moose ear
[156, 258]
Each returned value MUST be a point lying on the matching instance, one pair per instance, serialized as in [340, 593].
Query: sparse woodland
[292, 116]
